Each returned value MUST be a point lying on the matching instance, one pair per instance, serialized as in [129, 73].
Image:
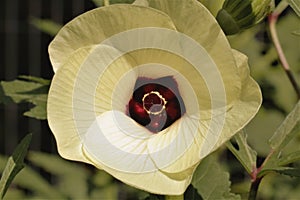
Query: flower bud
[213, 5]
[237, 15]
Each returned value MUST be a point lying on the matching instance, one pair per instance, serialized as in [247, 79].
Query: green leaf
[290, 158]
[32, 90]
[295, 4]
[38, 186]
[287, 130]
[297, 32]
[98, 3]
[39, 111]
[292, 172]
[35, 79]
[245, 154]
[211, 181]
[14, 165]
[72, 179]
[289, 171]
[46, 25]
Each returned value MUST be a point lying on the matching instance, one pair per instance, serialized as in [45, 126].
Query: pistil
[155, 103]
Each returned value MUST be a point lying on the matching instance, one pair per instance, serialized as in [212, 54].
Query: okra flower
[146, 91]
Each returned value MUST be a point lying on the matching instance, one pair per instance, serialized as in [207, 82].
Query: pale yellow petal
[95, 83]
[184, 57]
[158, 52]
[186, 142]
[175, 150]
[73, 99]
[154, 182]
[210, 134]
[116, 85]
[60, 110]
[99, 24]
[247, 106]
[203, 28]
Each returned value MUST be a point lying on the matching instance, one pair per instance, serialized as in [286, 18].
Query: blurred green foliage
[33, 90]
[46, 25]
[279, 99]
[48, 176]
[14, 165]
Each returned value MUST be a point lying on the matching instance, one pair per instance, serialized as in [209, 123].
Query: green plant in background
[14, 165]
[27, 89]
[214, 177]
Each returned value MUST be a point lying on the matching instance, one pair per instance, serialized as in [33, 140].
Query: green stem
[272, 25]
[269, 156]
[280, 7]
[254, 189]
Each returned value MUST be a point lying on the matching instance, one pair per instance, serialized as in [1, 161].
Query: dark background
[24, 51]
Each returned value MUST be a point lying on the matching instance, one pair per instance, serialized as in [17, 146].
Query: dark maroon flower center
[155, 103]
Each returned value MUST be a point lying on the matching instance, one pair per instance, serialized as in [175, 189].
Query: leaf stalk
[273, 17]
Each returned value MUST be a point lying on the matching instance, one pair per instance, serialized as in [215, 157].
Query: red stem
[272, 24]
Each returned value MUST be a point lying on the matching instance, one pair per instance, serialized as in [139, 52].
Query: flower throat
[155, 103]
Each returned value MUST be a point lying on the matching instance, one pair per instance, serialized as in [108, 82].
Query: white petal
[182, 145]
[169, 148]
[154, 182]
[117, 141]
